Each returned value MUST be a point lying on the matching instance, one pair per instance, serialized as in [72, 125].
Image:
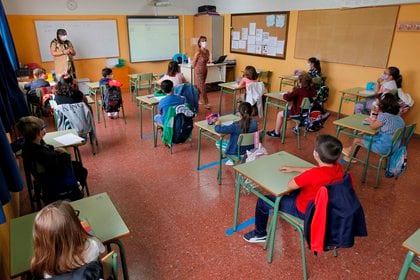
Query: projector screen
[152, 38]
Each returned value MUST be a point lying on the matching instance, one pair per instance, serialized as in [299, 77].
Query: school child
[389, 82]
[60, 242]
[169, 100]
[304, 89]
[112, 95]
[388, 121]
[173, 74]
[314, 67]
[40, 80]
[250, 76]
[245, 125]
[327, 152]
[51, 167]
[67, 91]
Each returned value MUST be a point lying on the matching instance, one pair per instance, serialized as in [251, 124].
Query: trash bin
[81, 82]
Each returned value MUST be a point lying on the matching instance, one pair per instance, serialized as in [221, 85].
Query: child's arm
[375, 124]
[288, 169]
[194, 61]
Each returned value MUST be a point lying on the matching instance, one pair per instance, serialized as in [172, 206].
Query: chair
[396, 138]
[102, 105]
[413, 246]
[265, 77]
[245, 139]
[77, 116]
[144, 81]
[110, 266]
[36, 101]
[299, 121]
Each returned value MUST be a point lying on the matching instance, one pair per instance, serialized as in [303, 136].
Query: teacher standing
[201, 58]
[63, 51]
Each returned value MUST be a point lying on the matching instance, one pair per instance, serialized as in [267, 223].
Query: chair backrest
[145, 79]
[77, 115]
[305, 105]
[265, 77]
[245, 139]
[409, 131]
[110, 266]
[397, 136]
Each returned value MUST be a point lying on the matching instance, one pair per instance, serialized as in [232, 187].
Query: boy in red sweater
[304, 186]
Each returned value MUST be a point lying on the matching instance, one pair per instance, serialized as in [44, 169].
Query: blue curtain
[10, 176]
[12, 100]
[7, 38]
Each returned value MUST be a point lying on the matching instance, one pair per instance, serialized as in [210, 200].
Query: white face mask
[63, 37]
[203, 44]
[308, 65]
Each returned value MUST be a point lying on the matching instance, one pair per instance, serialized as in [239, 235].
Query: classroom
[178, 207]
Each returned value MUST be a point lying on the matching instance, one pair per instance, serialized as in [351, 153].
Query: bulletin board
[360, 36]
[260, 34]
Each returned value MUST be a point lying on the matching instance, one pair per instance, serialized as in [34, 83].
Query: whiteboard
[153, 38]
[90, 38]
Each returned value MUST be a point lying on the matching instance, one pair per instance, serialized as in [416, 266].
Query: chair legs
[408, 263]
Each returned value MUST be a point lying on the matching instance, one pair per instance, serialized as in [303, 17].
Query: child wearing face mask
[388, 82]
[63, 51]
[201, 58]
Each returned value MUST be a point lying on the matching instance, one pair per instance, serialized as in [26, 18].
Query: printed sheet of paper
[252, 27]
[251, 48]
[242, 44]
[69, 139]
[251, 40]
[236, 35]
[280, 47]
[271, 50]
[258, 49]
[244, 33]
[280, 20]
[259, 35]
[272, 41]
[270, 20]
[235, 44]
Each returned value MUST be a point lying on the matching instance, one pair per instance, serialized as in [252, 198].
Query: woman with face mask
[62, 50]
[201, 58]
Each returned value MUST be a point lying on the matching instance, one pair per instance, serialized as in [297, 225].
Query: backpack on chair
[183, 124]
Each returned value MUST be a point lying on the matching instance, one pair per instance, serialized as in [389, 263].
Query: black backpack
[112, 99]
[183, 126]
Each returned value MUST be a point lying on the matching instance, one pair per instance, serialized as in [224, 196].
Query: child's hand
[60, 150]
[287, 169]
[218, 122]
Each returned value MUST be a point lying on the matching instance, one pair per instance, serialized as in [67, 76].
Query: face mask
[308, 65]
[384, 76]
[203, 44]
[63, 38]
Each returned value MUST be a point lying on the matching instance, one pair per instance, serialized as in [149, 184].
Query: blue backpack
[397, 163]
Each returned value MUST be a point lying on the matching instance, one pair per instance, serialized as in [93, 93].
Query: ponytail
[245, 109]
[395, 73]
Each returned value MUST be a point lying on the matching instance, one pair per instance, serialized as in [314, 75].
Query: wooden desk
[148, 102]
[209, 132]
[265, 173]
[229, 88]
[354, 124]
[215, 73]
[93, 89]
[353, 95]
[288, 80]
[412, 244]
[99, 211]
[276, 99]
[49, 138]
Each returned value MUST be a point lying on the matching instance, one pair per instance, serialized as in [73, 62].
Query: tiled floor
[178, 216]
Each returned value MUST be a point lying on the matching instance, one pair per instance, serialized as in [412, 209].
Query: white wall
[142, 7]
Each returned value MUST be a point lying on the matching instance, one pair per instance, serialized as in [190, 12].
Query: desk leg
[234, 101]
[220, 101]
[272, 230]
[407, 263]
[199, 148]
[140, 118]
[281, 83]
[367, 159]
[339, 107]
[77, 155]
[284, 125]
[122, 256]
[219, 172]
[238, 189]
[265, 115]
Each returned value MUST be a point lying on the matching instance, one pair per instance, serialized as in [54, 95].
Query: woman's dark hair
[245, 109]
[317, 64]
[328, 148]
[173, 68]
[202, 38]
[395, 73]
[389, 104]
[66, 85]
[61, 32]
[250, 72]
[305, 80]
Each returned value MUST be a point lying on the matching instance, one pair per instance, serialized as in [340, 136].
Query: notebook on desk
[220, 59]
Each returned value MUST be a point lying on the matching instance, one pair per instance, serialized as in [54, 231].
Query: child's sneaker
[252, 237]
[295, 130]
[229, 163]
[272, 133]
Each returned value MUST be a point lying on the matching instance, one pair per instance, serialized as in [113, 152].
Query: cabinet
[212, 28]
